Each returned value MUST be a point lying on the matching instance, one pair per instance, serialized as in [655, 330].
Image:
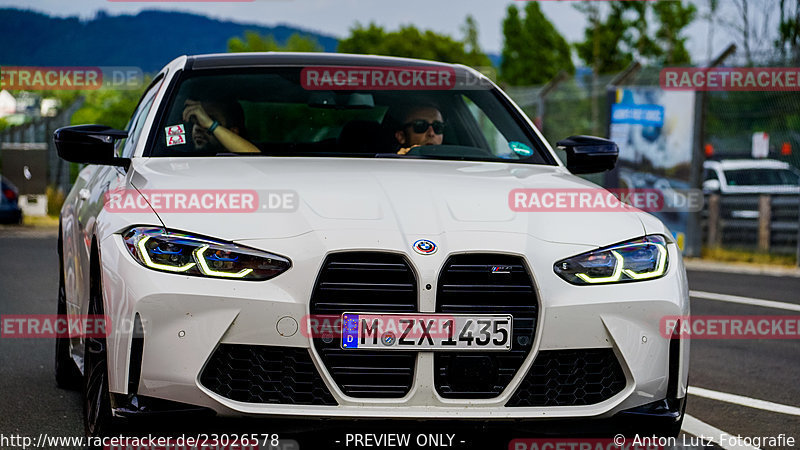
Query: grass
[40, 221]
[745, 256]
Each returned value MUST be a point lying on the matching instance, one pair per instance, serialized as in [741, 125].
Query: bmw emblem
[388, 339]
[425, 247]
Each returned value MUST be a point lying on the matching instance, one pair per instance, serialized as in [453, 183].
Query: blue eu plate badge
[350, 331]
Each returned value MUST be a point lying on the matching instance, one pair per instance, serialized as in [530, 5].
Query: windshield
[762, 177]
[275, 112]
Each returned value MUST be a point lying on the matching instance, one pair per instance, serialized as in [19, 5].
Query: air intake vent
[485, 284]
[569, 378]
[365, 282]
[265, 374]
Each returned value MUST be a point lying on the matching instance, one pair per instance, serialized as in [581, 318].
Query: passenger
[217, 127]
[421, 125]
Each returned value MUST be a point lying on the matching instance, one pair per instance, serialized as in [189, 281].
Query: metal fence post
[764, 222]
[714, 238]
[798, 236]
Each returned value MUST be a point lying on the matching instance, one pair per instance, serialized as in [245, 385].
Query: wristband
[213, 127]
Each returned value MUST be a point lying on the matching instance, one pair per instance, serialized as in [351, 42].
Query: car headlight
[641, 259]
[167, 251]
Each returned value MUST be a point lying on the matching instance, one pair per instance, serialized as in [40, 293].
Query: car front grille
[570, 378]
[485, 284]
[265, 374]
[365, 282]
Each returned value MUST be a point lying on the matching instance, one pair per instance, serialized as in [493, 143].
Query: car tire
[97, 418]
[67, 374]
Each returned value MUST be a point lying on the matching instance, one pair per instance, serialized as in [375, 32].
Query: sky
[336, 17]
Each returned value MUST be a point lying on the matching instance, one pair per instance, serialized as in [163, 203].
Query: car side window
[134, 128]
[499, 145]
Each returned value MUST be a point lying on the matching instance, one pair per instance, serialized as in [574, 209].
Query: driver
[421, 125]
[217, 127]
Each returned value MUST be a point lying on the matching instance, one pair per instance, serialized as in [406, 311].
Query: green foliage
[476, 56]
[254, 42]
[410, 42]
[533, 52]
[789, 31]
[111, 107]
[611, 43]
[3, 124]
[55, 200]
[673, 18]
[747, 256]
[638, 36]
[603, 45]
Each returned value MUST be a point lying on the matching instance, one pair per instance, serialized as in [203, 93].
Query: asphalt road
[769, 370]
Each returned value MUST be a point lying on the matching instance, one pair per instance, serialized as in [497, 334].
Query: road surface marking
[744, 300]
[696, 427]
[745, 401]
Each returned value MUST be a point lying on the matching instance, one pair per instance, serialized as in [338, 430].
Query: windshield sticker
[175, 129]
[520, 149]
[176, 139]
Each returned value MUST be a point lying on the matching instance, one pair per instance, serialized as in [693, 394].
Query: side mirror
[89, 144]
[711, 186]
[588, 154]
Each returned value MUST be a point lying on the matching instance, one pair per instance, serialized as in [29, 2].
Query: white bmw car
[338, 236]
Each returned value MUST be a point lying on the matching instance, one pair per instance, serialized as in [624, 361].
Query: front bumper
[187, 319]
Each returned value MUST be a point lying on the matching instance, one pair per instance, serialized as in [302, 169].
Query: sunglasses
[421, 126]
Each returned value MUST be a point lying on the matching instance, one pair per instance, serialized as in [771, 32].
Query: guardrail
[766, 223]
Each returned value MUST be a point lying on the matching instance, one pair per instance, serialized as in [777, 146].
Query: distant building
[29, 103]
[8, 104]
[49, 107]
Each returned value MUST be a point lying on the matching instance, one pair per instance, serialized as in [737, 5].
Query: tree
[472, 46]
[604, 46]
[748, 21]
[674, 17]
[789, 31]
[254, 42]
[640, 42]
[612, 43]
[533, 50]
[512, 67]
[112, 107]
[410, 42]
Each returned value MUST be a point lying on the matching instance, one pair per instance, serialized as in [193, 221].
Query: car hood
[413, 197]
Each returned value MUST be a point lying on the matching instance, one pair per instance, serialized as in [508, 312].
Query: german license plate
[431, 332]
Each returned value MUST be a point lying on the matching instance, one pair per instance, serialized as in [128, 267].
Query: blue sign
[350, 331]
[648, 115]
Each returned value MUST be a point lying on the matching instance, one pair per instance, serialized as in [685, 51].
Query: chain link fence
[725, 122]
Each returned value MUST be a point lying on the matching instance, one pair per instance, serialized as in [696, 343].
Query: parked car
[541, 317]
[10, 211]
[750, 176]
